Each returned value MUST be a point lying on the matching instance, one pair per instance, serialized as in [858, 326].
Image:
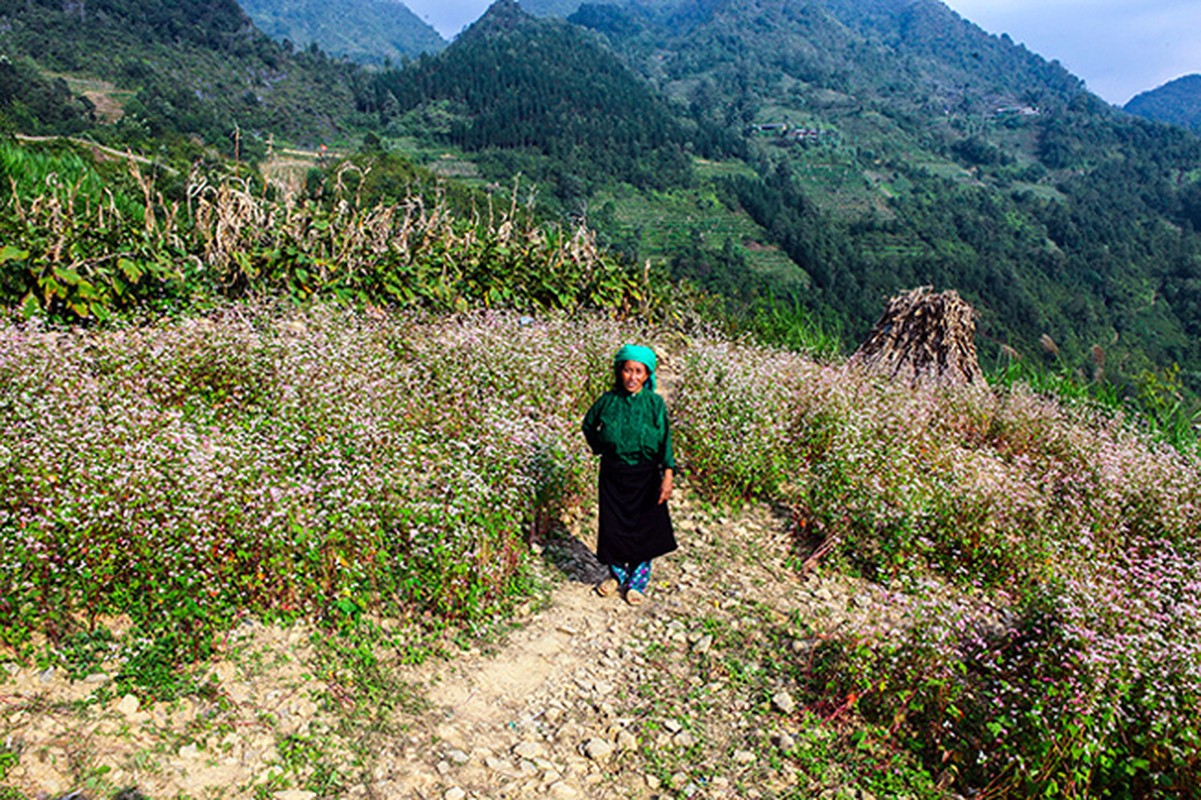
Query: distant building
[1016, 111]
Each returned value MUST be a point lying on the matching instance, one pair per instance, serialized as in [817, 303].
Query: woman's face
[633, 376]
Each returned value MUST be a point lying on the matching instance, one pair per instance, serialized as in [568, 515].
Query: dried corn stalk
[924, 338]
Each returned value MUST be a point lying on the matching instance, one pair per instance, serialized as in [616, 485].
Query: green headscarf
[643, 355]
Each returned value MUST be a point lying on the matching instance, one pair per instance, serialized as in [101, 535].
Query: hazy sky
[1119, 47]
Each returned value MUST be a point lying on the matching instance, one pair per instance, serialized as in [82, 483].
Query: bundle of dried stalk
[924, 338]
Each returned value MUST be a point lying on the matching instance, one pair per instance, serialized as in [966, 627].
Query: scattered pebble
[783, 702]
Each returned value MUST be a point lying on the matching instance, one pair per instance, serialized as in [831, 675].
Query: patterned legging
[632, 576]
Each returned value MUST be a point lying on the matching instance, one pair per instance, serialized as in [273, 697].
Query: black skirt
[634, 526]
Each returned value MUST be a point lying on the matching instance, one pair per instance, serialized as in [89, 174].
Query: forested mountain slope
[1177, 102]
[544, 98]
[827, 152]
[183, 69]
[897, 144]
[366, 31]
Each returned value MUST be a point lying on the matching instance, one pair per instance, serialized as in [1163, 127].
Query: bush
[81, 247]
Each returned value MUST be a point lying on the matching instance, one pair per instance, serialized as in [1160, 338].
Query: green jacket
[632, 428]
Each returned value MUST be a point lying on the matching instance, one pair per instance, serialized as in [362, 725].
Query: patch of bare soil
[108, 107]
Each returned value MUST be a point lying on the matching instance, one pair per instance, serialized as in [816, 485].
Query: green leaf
[131, 269]
[52, 288]
[68, 275]
[30, 307]
[87, 291]
[12, 253]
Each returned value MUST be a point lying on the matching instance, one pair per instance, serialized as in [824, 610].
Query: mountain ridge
[830, 154]
[923, 131]
[365, 31]
[1177, 102]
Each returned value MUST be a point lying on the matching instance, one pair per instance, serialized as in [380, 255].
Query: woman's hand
[665, 491]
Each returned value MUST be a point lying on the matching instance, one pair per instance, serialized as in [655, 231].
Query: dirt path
[101, 151]
[689, 695]
[595, 698]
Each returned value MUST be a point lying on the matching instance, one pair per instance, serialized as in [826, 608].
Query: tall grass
[1155, 399]
[786, 323]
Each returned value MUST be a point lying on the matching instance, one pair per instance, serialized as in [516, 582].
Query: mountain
[896, 144]
[540, 97]
[826, 153]
[1177, 102]
[366, 31]
[182, 71]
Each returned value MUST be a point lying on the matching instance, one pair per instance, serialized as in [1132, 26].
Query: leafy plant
[87, 251]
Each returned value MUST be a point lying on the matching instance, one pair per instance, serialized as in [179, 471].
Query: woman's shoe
[635, 597]
[608, 587]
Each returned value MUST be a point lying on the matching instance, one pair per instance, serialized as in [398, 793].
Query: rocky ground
[697, 693]
[693, 694]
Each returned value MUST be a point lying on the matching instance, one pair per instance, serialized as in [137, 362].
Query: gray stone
[498, 764]
[129, 705]
[529, 750]
[563, 791]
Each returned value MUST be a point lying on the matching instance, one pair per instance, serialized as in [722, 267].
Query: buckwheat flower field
[321, 463]
[258, 461]
[1049, 555]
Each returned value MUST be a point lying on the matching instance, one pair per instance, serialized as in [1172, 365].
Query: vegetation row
[80, 244]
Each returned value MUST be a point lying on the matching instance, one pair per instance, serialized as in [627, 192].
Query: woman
[627, 427]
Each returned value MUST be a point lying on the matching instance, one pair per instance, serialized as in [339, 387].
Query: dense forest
[511, 87]
[933, 153]
[181, 70]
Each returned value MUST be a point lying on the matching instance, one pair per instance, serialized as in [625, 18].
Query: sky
[1118, 47]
